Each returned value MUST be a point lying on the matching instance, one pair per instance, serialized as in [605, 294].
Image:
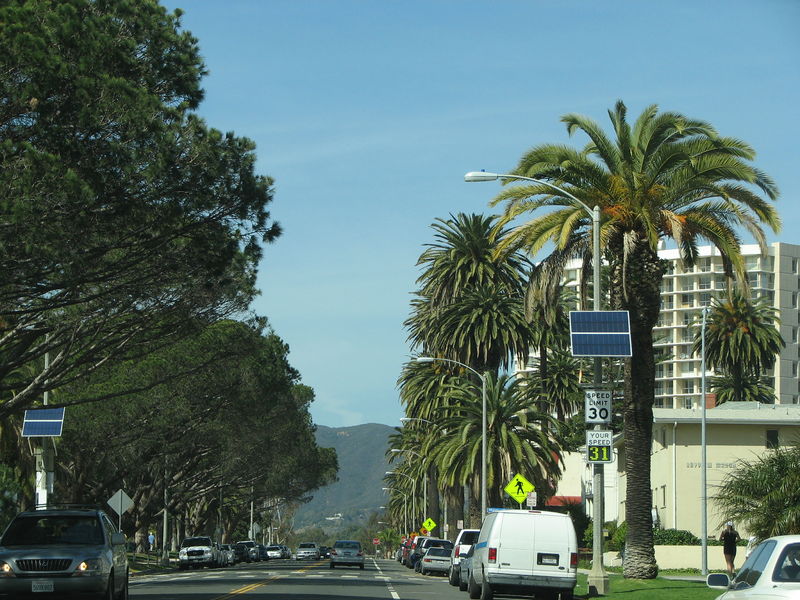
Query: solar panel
[43, 422]
[600, 333]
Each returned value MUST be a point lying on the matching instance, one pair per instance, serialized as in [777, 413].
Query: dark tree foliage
[238, 420]
[125, 222]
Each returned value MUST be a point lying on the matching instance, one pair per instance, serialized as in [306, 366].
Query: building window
[687, 300]
[663, 496]
[772, 439]
[687, 403]
[705, 283]
[794, 368]
[688, 387]
[704, 265]
[667, 302]
[666, 285]
[794, 299]
[794, 265]
[752, 279]
[705, 299]
[750, 262]
[794, 334]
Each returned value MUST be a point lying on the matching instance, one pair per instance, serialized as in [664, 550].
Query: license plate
[548, 559]
[42, 586]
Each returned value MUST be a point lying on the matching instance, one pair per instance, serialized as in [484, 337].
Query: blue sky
[367, 113]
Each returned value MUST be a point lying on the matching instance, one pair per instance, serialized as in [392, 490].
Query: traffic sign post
[519, 488]
[429, 524]
[121, 503]
[598, 406]
[598, 446]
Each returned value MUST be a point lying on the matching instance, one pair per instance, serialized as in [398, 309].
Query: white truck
[525, 552]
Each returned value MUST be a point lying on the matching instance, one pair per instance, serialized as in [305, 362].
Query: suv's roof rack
[65, 506]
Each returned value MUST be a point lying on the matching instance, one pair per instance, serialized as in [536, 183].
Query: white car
[771, 571]
[464, 541]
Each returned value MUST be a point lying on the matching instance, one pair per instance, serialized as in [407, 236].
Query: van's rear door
[554, 541]
[516, 547]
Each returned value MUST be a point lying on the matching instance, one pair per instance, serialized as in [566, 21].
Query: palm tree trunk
[642, 279]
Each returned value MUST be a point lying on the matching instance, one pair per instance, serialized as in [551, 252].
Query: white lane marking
[387, 580]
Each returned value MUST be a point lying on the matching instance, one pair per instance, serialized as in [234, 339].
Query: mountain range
[361, 450]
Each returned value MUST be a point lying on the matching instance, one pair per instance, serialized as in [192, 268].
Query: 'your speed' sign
[598, 406]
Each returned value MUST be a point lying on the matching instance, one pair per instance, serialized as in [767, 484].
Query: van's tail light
[492, 555]
[458, 551]
[573, 560]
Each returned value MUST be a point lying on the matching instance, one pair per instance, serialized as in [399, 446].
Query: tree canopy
[125, 221]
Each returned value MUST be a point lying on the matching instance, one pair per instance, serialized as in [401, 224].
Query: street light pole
[703, 475]
[427, 359]
[424, 479]
[598, 578]
[413, 492]
[405, 507]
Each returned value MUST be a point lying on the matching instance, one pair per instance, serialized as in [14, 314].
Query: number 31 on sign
[598, 446]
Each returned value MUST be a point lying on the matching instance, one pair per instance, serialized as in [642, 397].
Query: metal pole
[703, 491]
[483, 450]
[598, 578]
[164, 532]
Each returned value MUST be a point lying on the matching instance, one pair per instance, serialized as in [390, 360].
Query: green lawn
[649, 589]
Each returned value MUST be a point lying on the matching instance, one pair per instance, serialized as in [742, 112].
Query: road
[291, 580]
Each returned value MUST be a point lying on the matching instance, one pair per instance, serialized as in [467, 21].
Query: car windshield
[347, 545]
[438, 552]
[273, 547]
[469, 537]
[307, 546]
[50, 530]
[196, 541]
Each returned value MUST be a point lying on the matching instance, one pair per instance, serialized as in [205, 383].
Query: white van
[525, 552]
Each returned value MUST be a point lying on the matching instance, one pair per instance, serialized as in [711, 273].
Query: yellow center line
[253, 586]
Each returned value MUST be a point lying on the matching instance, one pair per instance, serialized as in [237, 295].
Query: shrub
[675, 537]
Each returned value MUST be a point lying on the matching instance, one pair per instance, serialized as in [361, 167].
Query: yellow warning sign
[429, 524]
[518, 488]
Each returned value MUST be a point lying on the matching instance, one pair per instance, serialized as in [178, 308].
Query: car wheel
[423, 571]
[487, 593]
[473, 589]
[123, 595]
[109, 593]
[452, 577]
[566, 595]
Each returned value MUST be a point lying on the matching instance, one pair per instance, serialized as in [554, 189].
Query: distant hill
[361, 450]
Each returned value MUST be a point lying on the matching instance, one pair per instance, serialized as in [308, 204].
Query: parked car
[771, 571]
[274, 552]
[435, 560]
[324, 552]
[464, 541]
[423, 547]
[252, 550]
[198, 552]
[262, 552]
[241, 552]
[63, 552]
[464, 567]
[411, 550]
[524, 551]
[347, 552]
[307, 550]
[227, 555]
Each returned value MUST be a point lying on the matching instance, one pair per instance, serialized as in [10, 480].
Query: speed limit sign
[598, 406]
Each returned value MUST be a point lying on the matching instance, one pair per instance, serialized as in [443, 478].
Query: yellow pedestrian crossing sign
[518, 488]
[429, 524]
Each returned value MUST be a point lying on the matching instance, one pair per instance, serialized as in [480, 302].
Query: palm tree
[668, 176]
[742, 342]
[469, 309]
[519, 437]
[764, 494]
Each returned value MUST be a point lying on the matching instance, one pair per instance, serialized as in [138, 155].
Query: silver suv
[307, 550]
[62, 552]
[198, 552]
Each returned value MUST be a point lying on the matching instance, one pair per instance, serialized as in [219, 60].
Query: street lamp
[424, 477]
[598, 578]
[703, 475]
[413, 490]
[428, 359]
[405, 506]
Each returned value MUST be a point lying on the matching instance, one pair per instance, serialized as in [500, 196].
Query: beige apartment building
[734, 431]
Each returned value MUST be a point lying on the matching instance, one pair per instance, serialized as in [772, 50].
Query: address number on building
[598, 406]
[598, 446]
